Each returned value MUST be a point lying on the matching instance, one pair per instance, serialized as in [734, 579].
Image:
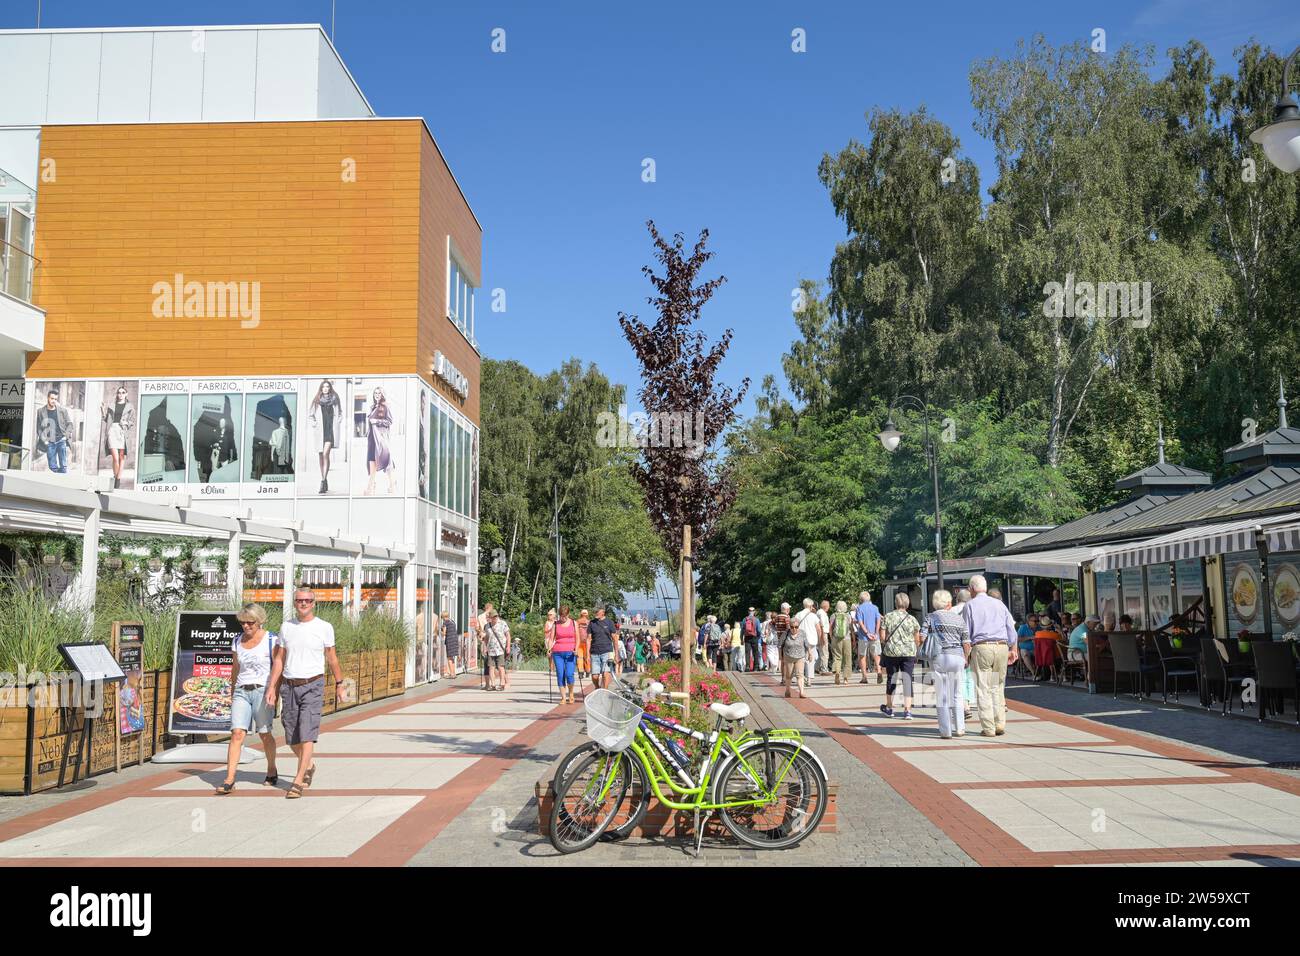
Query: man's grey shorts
[301, 713]
[868, 648]
[602, 663]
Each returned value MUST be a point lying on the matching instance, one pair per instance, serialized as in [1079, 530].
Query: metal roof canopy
[1062, 563]
[1198, 542]
[57, 503]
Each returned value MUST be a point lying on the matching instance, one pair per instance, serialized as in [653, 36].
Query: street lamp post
[890, 439]
[1281, 138]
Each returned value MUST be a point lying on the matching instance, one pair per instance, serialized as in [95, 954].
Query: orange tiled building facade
[226, 280]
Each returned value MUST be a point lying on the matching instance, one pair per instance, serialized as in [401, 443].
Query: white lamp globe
[1281, 142]
[890, 437]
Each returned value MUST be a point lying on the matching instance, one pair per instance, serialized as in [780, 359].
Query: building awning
[1061, 563]
[1284, 537]
[1198, 542]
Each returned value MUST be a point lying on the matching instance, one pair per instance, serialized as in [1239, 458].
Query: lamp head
[891, 436]
[1281, 138]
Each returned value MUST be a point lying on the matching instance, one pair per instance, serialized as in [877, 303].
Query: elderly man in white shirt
[306, 645]
[993, 647]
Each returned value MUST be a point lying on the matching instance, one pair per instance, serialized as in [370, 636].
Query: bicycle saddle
[737, 711]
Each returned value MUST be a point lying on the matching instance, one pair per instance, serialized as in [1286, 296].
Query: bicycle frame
[648, 749]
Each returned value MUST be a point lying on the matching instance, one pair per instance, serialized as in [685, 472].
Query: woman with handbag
[946, 647]
[899, 654]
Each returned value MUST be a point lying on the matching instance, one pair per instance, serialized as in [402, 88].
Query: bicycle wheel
[587, 801]
[636, 801]
[797, 806]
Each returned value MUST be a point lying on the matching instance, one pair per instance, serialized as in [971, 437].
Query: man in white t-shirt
[306, 645]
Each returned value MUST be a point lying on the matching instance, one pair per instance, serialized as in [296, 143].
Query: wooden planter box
[396, 673]
[33, 739]
[660, 821]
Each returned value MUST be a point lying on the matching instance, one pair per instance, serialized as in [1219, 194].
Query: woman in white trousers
[950, 666]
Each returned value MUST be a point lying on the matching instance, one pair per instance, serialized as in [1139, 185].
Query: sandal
[307, 777]
[271, 780]
[294, 792]
[227, 786]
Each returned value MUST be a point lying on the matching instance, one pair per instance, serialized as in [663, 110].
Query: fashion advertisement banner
[13, 402]
[269, 422]
[216, 414]
[1242, 586]
[163, 422]
[422, 445]
[377, 430]
[1191, 584]
[1160, 599]
[59, 428]
[323, 465]
[116, 403]
[203, 661]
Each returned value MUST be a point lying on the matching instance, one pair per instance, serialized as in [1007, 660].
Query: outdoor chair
[1174, 664]
[1128, 660]
[1070, 667]
[1276, 674]
[1218, 673]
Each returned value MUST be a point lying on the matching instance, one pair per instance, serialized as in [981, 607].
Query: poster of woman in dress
[59, 428]
[326, 430]
[117, 431]
[376, 435]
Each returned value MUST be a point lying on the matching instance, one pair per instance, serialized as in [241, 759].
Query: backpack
[750, 629]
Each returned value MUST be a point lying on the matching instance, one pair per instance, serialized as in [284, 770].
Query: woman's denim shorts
[250, 711]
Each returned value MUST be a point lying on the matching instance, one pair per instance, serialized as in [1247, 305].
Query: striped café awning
[1198, 542]
[1281, 538]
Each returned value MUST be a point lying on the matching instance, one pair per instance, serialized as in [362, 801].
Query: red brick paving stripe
[141, 787]
[990, 845]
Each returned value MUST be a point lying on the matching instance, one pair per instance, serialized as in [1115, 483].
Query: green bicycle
[768, 789]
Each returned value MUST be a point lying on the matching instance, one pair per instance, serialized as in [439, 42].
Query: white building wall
[171, 75]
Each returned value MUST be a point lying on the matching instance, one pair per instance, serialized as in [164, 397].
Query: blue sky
[548, 138]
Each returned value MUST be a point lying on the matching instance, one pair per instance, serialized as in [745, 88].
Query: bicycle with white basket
[767, 788]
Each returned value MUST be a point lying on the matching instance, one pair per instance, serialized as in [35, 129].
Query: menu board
[129, 638]
[1108, 598]
[204, 659]
[1242, 585]
[1191, 584]
[1018, 598]
[1284, 577]
[1134, 599]
[1160, 594]
[91, 661]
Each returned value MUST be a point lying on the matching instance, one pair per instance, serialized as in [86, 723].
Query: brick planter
[661, 821]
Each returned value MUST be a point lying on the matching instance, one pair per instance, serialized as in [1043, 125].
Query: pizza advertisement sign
[1284, 570]
[204, 659]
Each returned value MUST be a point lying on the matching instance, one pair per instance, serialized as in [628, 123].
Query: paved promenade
[1059, 789]
[446, 774]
